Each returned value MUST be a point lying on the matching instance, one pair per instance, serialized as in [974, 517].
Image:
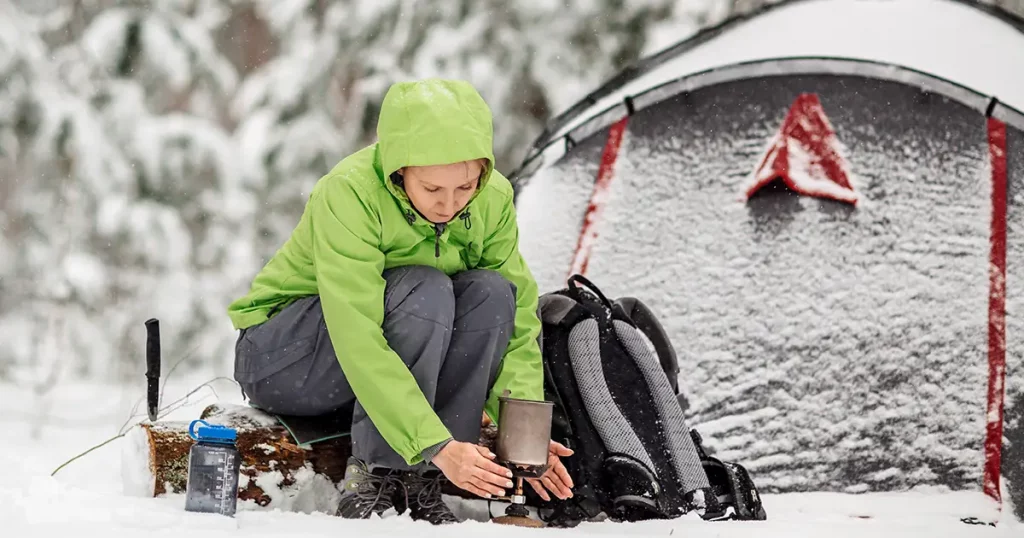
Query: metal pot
[524, 434]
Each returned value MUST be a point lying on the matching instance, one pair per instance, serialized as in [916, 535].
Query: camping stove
[524, 435]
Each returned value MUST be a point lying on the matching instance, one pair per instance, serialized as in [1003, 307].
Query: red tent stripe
[996, 311]
[598, 197]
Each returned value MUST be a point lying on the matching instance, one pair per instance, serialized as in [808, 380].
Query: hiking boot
[368, 491]
[424, 497]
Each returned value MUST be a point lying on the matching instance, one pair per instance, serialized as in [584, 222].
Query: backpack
[611, 372]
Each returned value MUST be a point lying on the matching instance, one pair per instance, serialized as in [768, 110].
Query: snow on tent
[824, 200]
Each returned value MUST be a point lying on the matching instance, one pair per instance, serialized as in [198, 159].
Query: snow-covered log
[275, 472]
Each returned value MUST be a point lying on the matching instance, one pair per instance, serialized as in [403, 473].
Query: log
[274, 472]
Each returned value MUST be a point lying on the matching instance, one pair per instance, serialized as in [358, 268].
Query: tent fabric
[804, 155]
[1013, 426]
[828, 346]
[549, 148]
[965, 41]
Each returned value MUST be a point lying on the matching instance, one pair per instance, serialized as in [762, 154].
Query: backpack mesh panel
[611, 425]
[685, 459]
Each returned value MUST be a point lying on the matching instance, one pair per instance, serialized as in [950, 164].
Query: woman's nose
[448, 203]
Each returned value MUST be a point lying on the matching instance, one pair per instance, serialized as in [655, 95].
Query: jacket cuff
[431, 451]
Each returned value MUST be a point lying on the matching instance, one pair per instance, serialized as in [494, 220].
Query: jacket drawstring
[465, 219]
[410, 217]
[438, 230]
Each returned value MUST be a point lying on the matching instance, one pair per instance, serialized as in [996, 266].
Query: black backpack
[611, 371]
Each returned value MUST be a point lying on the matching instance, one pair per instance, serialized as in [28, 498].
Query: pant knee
[486, 294]
[421, 291]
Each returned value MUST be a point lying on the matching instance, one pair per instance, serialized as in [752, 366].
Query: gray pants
[451, 332]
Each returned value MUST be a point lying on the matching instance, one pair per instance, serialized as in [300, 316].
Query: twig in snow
[177, 404]
[167, 376]
[86, 452]
[134, 413]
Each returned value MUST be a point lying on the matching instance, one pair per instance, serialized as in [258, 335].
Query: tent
[824, 201]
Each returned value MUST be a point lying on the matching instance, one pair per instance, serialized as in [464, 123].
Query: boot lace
[374, 493]
[429, 504]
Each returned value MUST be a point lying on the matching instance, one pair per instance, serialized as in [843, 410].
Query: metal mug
[524, 435]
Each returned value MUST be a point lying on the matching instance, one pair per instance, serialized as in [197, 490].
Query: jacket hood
[433, 122]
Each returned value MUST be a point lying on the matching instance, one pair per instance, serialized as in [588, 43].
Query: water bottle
[213, 463]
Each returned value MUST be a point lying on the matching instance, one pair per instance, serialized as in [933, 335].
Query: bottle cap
[209, 431]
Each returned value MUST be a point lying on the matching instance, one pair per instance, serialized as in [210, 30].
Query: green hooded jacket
[357, 223]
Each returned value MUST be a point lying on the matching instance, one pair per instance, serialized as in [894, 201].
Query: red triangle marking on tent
[805, 155]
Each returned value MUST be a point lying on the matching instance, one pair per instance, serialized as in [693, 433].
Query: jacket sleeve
[349, 265]
[521, 370]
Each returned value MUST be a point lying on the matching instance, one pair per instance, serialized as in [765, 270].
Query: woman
[402, 288]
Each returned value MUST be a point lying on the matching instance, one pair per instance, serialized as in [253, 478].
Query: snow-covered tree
[56, 165]
[124, 183]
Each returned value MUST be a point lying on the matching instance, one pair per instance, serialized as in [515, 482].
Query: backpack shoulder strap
[644, 319]
[555, 307]
[670, 422]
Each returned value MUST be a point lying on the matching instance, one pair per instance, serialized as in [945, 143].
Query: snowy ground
[85, 498]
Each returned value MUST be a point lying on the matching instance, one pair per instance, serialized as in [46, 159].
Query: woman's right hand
[472, 468]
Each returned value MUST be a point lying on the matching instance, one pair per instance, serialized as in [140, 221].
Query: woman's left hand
[556, 479]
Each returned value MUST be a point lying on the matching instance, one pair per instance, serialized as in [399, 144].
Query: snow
[91, 497]
[598, 198]
[86, 275]
[806, 155]
[804, 171]
[927, 35]
[137, 477]
[177, 50]
[102, 38]
[220, 168]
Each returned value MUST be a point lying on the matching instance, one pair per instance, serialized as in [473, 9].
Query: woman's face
[440, 192]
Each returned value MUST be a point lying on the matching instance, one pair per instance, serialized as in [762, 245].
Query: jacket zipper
[438, 230]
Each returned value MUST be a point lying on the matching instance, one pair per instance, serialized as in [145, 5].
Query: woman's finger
[484, 452]
[559, 448]
[488, 477]
[541, 492]
[476, 491]
[550, 485]
[563, 474]
[487, 488]
[561, 489]
[490, 467]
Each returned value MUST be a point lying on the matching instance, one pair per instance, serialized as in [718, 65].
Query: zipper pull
[438, 230]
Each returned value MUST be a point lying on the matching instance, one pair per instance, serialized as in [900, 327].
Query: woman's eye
[432, 190]
[466, 188]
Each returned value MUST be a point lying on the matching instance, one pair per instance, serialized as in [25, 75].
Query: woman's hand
[556, 479]
[472, 468]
